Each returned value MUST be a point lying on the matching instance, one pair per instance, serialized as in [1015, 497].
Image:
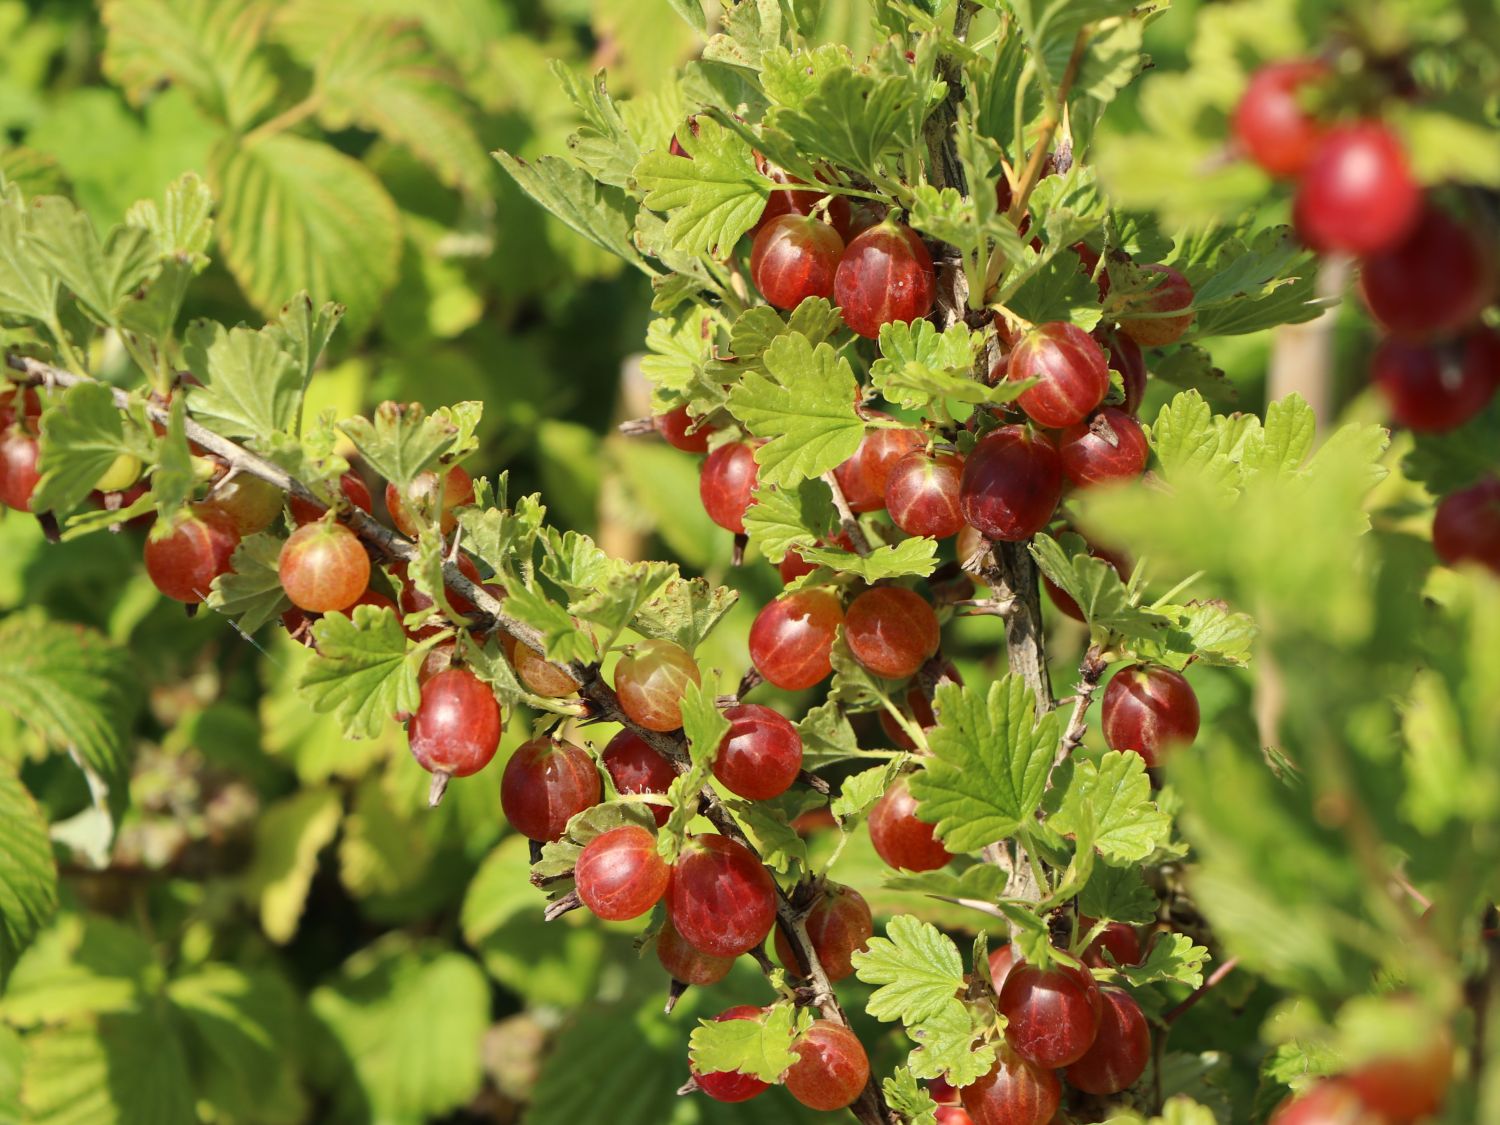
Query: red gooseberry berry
[1110, 446]
[1151, 710]
[793, 258]
[1014, 1092]
[885, 276]
[831, 1068]
[726, 482]
[636, 768]
[650, 682]
[1011, 483]
[423, 499]
[18, 468]
[1052, 1015]
[864, 478]
[1435, 386]
[1410, 1087]
[1126, 358]
[183, 560]
[248, 503]
[795, 198]
[1002, 960]
[838, 924]
[682, 431]
[1357, 193]
[354, 490]
[1120, 1050]
[1467, 526]
[731, 1085]
[1439, 278]
[921, 493]
[791, 640]
[1270, 123]
[899, 837]
[760, 755]
[456, 728]
[720, 898]
[1118, 939]
[892, 631]
[545, 784]
[1071, 372]
[1146, 318]
[323, 567]
[686, 964]
[619, 874]
[1327, 1102]
[538, 674]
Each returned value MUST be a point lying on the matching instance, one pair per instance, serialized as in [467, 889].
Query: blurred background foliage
[281, 931]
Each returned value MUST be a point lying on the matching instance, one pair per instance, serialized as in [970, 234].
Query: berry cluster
[1427, 266]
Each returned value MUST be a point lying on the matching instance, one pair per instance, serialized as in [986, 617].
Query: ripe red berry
[1014, 1092]
[1011, 484]
[687, 964]
[1053, 1014]
[726, 482]
[942, 1091]
[18, 469]
[720, 898]
[794, 201]
[885, 276]
[1438, 386]
[248, 503]
[793, 566]
[1406, 1088]
[540, 676]
[761, 754]
[731, 1085]
[1072, 373]
[838, 924]
[892, 631]
[831, 1068]
[1120, 1051]
[1328, 1102]
[1126, 358]
[619, 875]
[1110, 446]
[1002, 961]
[1269, 121]
[650, 682]
[323, 567]
[864, 478]
[682, 431]
[636, 768]
[794, 258]
[1467, 526]
[1151, 710]
[899, 837]
[1357, 193]
[1117, 939]
[423, 499]
[354, 490]
[952, 1115]
[792, 638]
[1171, 293]
[921, 493]
[28, 401]
[545, 785]
[183, 562]
[1439, 278]
[413, 600]
[457, 725]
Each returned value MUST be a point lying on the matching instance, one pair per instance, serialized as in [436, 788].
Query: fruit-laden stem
[1012, 574]
[870, 1109]
[848, 521]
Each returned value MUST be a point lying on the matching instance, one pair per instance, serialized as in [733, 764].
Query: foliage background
[282, 931]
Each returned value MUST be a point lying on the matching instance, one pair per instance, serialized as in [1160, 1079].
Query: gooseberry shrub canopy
[936, 298]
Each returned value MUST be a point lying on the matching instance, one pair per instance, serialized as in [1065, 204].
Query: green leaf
[1103, 598]
[705, 727]
[380, 74]
[860, 791]
[302, 329]
[26, 288]
[100, 274]
[73, 687]
[827, 736]
[297, 214]
[910, 557]
[761, 1047]
[28, 872]
[991, 757]
[210, 48]
[768, 824]
[677, 350]
[1172, 957]
[12, 1056]
[807, 413]
[251, 592]
[378, 1008]
[361, 670]
[618, 598]
[82, 434]
[916, 968]
[1115, 798]
[603, 142]
[251, 387]
[756, 329]
[288, 837]
[602, 214]
[183, 226]
[918, 365]
[1282, 444]
[685, 610]
[562, 637]
[1264, 285]
[1206, 631]
[947, 1047]
[401, 442]
[711, 199]
[1117, 894]
[81, 965]
[904, 1096]
[128, 1069]
[1190, 443]
[779, 519]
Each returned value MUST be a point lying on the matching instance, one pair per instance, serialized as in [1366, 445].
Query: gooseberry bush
[1206, 834]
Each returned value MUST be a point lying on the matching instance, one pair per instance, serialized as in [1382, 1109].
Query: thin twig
[1031, 175]
[848, 523]
[1213, 981]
